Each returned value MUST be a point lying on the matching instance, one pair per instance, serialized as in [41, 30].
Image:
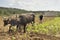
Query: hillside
[10, 11]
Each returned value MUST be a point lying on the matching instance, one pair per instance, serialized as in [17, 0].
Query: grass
[48, 27]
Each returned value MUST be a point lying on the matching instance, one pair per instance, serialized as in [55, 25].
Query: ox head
[6, 21]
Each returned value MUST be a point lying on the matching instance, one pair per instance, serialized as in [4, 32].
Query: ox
[27, 18]
[13, 21]
[41, 18]
[23, 19]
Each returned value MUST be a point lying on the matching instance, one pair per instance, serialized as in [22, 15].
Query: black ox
[41, 18]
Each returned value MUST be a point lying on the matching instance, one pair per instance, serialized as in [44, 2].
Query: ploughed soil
[5, 35]
[26, 36]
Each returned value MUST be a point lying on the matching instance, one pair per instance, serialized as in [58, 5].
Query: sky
[32, 5]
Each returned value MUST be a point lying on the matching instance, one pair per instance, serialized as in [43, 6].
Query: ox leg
[40, 21]
[32, 23]
[24, 28]
[10, 28]
[17, 27]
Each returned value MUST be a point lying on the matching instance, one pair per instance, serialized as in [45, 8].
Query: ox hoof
[24, 32]
[10, 31]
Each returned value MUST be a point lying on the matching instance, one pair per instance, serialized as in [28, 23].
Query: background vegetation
[10, 11]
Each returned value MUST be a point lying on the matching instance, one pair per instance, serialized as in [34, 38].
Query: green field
[48, 27]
